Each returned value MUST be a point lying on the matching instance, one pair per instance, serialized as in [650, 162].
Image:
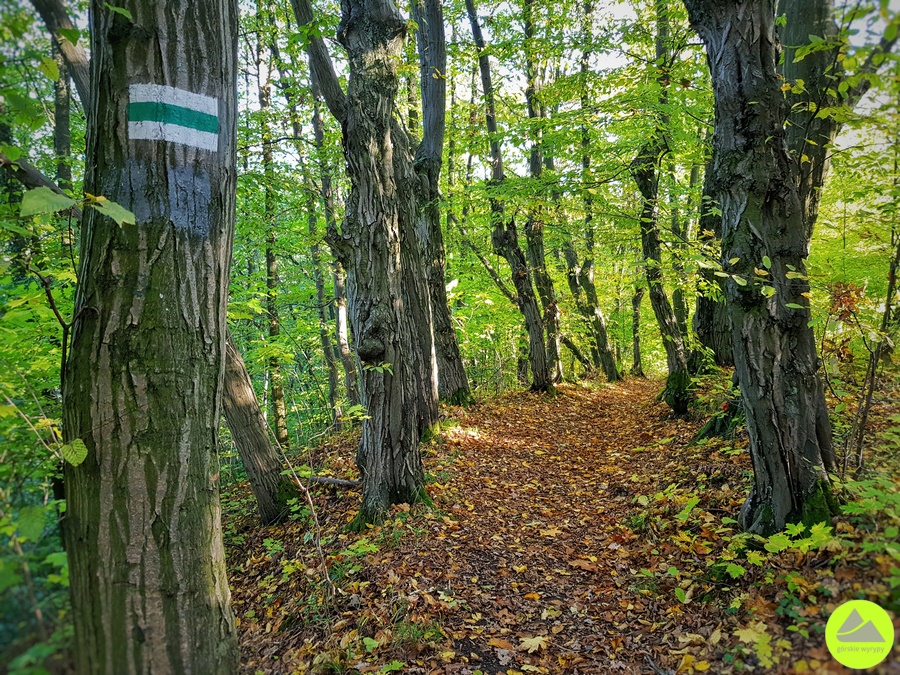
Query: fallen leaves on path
[580, 533]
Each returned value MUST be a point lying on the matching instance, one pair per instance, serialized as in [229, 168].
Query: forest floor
[578, 533]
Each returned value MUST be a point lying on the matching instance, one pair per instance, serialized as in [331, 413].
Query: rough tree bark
[453, 385]
[386, 290]
[645, 169]
[504, 236]
[250, 432]
[756, 184]
[144, 378]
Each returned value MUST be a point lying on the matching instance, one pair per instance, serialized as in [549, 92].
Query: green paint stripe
[166, 113]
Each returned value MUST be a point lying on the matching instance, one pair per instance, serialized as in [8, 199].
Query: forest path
[575, 533]
[543, 493]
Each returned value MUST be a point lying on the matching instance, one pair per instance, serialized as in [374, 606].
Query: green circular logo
[859, 634]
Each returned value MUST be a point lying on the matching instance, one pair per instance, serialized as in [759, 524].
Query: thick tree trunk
[144, 379]
[504, 236]
[387, 295]
[248, 428]
[757, 186]
[453, 385]
[637, 368]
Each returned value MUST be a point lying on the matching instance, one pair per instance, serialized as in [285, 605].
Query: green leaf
[118, 213]
[777, 543]
[8, 576]
[371, 644]
[43, 200]
[31, 522]
[12, 152]
[686, 511]
[891, 532]
[681, 595]
[71, 34]
[740, 281]
[735, 571]
[75, 452]
[118, 10]
[767, 262]
[794, 305]
[49, 68]
[672, 571]
[392, 667]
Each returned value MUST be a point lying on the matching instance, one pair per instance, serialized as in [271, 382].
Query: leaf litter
[579, 533]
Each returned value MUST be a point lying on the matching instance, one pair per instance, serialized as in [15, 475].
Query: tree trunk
[645, 169]
[453, 385]
[322, 304]
[534, 227]
[144, 378]
[62, 132]
[504, 236]
[387, 296]
[677, 393]
[248, 428]
[276, 378]
[348, 359]
[637, 368]
[581, 284]
[711, 323]
[756, 183]
[342, 331]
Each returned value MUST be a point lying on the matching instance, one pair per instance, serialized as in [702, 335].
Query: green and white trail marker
[161, 113]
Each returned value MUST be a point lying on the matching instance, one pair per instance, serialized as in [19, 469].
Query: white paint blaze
[160, 131]
[169, 130]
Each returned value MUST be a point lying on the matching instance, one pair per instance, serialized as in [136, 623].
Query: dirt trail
[578, 533]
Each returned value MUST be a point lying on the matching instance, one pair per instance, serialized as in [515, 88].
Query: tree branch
[320, 65]
[56, 17]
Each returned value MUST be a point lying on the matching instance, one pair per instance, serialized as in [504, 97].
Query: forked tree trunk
[250, 433]
[144, 379]
[504, 235]
[453, 385]
[756, 184]
[387, 295]
[677, 393]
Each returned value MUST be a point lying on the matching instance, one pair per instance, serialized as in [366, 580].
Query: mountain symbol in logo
[855, 629]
